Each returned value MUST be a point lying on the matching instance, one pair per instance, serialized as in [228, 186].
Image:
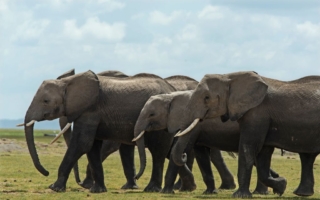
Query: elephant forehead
[49, 87]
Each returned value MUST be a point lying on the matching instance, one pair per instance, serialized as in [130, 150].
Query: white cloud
[158, 17]
[138, 16]
[3, 5]
[212, 12]
[94, 28]
[309, 29]
[112, 5]
[31, 29]
[189, 32]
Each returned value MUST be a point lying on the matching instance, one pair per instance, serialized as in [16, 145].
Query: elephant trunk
[31, 146]
[178, 155]
[142, 151]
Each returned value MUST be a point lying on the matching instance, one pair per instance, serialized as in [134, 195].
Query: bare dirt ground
[10, 145]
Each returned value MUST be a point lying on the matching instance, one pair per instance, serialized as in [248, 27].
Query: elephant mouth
[205, 116]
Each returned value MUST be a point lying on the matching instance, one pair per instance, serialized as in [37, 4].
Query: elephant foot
[153, 187]
[188, 184]
[87, 183]
[304, 191]
[280, 186]
[177, 185]
[227, 185]
[261, 192]
[242, 194]
[98, 189]
[129, 186]
[210, 191]
[167, 190]
[58, 187]
[188, 187]
[261, 189]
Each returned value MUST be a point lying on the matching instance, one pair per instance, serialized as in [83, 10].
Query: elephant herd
[180, 119]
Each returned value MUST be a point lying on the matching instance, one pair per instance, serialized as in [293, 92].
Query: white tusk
[177, 134]
[22, 124]
[62, 132]
[31, 122]
[138, 137]
[187, 130]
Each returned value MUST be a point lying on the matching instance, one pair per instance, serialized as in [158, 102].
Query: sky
[42, 39]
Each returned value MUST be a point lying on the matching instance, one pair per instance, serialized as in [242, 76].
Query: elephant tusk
[177, 134]
[138, 137]
[187, 130]
[22, 124]
[62, 132]
[31, 122]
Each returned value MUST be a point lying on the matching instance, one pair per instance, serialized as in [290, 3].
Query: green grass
[20, 180]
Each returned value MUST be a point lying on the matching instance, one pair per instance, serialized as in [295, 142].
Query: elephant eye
[206, 99]
[46, 101]
[151, 115]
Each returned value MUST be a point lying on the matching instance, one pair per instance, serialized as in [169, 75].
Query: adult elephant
[270, 113]
[99, 107]
[163, 112]
[108, 146]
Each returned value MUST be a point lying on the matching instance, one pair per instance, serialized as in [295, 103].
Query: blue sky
[40, 40]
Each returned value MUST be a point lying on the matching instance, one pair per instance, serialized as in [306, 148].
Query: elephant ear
[81, 93]
[67, 74]
[247, 90]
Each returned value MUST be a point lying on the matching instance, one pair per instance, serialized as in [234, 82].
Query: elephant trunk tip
[181, 160]
[42, 170]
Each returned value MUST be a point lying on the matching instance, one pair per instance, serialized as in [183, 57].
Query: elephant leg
[203, 159]
[261, 188]
[95, 163]
[306, 185]
[186, 177]
[185, 174]
[179, 185]
[170, 177]
[252, 133]
[127, 159]
[157, 170]
[67, 135]
[159, 153]
[108, 147]
[80, 143]
[227, 180]
[263, 167]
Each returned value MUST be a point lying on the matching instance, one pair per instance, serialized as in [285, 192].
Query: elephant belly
[122, 134]
[224, 142]
[300, 139]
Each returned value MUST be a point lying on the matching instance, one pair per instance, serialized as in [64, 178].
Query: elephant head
[68, 97]
[160, 112]
[227, 96]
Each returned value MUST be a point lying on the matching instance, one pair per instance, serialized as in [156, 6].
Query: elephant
[270, 113]
[162, 112]
[108, 146]
[100, 108]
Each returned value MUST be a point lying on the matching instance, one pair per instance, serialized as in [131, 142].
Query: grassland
[20, 180]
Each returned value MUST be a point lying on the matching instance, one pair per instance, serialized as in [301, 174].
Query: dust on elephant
[165, 111]
[101, 108]
[270, 113]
